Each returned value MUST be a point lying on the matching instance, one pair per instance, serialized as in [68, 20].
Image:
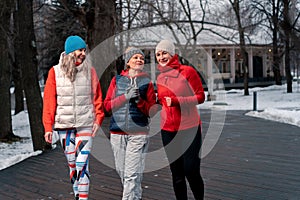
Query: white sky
[273, 103]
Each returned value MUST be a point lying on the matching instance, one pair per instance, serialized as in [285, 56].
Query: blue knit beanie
[74, 43]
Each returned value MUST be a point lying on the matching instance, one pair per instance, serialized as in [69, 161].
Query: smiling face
[136, 62]
[79, 56]
[163, 58]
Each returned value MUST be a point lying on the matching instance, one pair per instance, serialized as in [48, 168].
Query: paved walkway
[253, 159]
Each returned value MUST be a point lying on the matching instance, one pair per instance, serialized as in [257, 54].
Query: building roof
[211, 35]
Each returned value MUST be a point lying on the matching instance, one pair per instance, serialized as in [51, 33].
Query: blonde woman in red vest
[73, 107]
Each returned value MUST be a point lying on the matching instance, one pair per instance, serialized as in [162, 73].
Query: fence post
[254, 101]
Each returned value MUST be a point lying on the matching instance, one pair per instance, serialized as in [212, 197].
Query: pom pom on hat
[165, 45]
[130, 52]
[74, 43]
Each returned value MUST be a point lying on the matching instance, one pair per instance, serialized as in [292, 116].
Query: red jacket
[183, 85]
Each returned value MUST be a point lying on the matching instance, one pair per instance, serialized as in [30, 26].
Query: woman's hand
[168, 101]
[95, 129]
[48, 137]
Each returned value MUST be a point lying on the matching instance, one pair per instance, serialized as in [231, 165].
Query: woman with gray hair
[130, 97]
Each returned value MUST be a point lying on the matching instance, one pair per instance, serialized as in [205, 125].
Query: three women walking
[73, 107]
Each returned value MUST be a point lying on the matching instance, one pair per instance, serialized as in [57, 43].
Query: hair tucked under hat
[129, 52]
[74, 43]
[165, 45]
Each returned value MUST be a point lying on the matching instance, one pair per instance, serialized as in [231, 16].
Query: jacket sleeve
[111, 101]
[97, 98]
[195, 85]
[147, 106]
[49, 101]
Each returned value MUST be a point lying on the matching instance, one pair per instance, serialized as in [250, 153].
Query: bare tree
[184, 17]
[16, 70]
[271, 10]
[98, 17]
[6, 133]
[286, 25]
[295, 40]
[52, 25]
[27, 56]
[237, 10]
[290, 17]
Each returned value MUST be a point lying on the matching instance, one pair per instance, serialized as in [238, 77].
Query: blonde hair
[69, 67]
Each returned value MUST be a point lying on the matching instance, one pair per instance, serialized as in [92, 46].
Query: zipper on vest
[127, 107]
[74, 102]
[132, 84]
[135, 85]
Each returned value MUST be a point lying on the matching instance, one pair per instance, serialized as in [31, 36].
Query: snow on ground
[273, 103]
[17, 151]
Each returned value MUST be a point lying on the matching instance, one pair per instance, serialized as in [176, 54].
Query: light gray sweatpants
[129, 152]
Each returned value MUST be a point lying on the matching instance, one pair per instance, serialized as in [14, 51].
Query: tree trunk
[18, 102]
[103, 27]
[5, 104]
[19, 96]
[289, 79]
[287, 28]
[26, 55]
[276, 60]
[236, 6]
[276, 56]
[6, 134]
[245, 68]
[245, 60]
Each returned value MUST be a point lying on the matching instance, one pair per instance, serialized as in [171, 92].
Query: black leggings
[183, 152]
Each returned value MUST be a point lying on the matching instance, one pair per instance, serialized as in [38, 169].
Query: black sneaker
[77, 197]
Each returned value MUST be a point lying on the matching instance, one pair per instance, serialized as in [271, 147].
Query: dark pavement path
[253, 159]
